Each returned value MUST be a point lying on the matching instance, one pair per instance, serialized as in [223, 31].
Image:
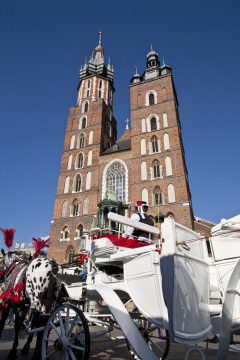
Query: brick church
[100, 174]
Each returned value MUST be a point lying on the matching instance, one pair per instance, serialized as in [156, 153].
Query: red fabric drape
[121, 241]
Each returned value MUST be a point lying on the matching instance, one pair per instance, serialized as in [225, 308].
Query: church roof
[118, 146]
[126, 135]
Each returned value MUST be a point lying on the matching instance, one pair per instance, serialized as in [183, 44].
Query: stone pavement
[113, 346]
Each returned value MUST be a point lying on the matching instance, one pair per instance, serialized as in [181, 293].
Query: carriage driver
[141, 209]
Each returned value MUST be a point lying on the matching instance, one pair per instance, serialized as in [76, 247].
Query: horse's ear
[3, 252]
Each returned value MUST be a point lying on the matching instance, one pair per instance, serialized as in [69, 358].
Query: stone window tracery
[77, 183]
[154, 142]
[79, 161]
[157, 196]
[156, 169]
[116, 180]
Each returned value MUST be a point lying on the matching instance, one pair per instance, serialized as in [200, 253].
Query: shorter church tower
[158, 165]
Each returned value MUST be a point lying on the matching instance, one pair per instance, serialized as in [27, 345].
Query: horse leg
[41, 321]
[17, 327]
[26, 347]
[3, 319]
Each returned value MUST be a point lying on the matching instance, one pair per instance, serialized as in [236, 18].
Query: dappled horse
[28, 283]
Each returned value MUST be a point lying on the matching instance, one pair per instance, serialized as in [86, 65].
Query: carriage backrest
[133, 223]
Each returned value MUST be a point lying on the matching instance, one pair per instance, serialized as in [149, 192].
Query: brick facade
[99, 134]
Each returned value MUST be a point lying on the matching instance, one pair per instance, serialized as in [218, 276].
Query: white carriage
[154, 294]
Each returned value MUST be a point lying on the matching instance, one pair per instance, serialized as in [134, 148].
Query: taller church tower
[91, 129]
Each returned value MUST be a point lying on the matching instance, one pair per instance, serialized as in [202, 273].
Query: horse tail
[52, 287]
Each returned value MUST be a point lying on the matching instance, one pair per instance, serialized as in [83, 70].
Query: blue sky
[43, 44]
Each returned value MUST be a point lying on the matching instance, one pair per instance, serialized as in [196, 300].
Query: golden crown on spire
[99, 47]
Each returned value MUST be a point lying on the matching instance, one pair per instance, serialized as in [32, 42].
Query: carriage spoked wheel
[66, 335]
[157, 339]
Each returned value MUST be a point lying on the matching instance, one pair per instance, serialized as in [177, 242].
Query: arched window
[156, 169]
[165, 120]
[84, 123]
[85, 205]
[154, 142]
[166, 141]
[66, 186]
[81, 140]
[75, 208]
[143, 170]
[151, 99]
[145, 195]
[171, 193]
[143, 147]
[153, 123]
[79, 231]
[64, 209]
[71, 253]
[79, 161]
[168, 164]
[88, 92]
[164, 94]
[116, 180]
[100, 84]
[65, 232]
[88, 181]
[77, 183]
[89, 158]
[157, 196]
[86, 107]
[69, 162]
[139, 100]
[90, 139]
[89, 83]
[72, 142]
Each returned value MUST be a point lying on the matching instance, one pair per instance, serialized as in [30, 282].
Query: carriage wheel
[157, 339]
[66, 335]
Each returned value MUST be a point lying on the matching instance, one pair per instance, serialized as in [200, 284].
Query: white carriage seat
[109, 241]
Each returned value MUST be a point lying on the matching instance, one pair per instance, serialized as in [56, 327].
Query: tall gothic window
[153, 124]
[71, 255]
[116, 180]
[86, 107]
[151, 99]
[83, 123]
[75, 207]
[79, 231]
[154, 141]
[81, 140]
[157, 196]
[79, 162]
[65, 233]
[156, 169]
[77, 181]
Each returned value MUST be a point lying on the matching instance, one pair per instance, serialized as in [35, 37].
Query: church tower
[159, 171]
[91, 129]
